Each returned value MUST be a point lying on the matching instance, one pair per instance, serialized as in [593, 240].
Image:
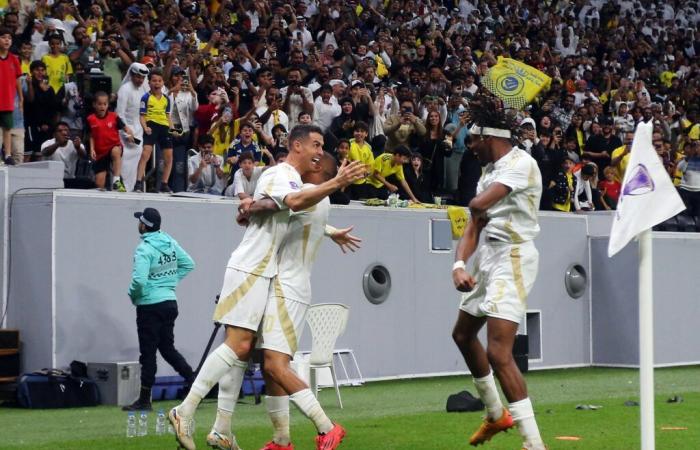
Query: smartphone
[185, 79]
[137, 141]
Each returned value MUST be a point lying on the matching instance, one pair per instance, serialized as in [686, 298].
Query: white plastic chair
[327, 321]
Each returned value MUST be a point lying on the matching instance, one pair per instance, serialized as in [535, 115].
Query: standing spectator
[58, 65]
[159, 265]
[416, 180]
[343, 125]
[295, 97]
[403, 129]
[563, 187]
[65, 150]
[326, 108]
[610, 187]
[272, 114]
[105, 146]
[599, 147]
[204, 169]
[183, 101]
[689, 188]
[40, 105]
[434, 150]
[10, 87]
[156, 124]
[128, 107]
[361, 151]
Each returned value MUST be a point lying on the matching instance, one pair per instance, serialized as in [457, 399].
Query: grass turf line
[405, 414]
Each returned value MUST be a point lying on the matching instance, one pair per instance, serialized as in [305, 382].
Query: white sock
[309, 406]
[278, 410]
[116, 178]
[229, 389]
[215, 366]
[488, 392]
[524, 416]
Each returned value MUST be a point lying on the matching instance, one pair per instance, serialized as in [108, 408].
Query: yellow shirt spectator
[58, 67]
[384, 165]
[622, 166]
[156, 109]
[363, 153]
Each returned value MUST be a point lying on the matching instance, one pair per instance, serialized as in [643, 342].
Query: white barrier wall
[72, 255]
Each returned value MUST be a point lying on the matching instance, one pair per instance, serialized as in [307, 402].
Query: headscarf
[135, 68]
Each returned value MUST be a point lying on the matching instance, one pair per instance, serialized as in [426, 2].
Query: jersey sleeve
[143, 107]
[278, 184]
[399, 173]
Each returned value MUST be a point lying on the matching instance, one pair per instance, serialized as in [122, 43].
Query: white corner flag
[648, 196]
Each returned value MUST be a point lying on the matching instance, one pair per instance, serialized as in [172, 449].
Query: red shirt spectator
[105, 132]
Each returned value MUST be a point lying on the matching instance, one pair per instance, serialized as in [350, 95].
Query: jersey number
[164, 259]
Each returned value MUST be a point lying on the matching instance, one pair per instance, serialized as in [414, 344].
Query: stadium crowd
[215, 86]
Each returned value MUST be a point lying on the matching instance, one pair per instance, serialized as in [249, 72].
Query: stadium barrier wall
[72, 255]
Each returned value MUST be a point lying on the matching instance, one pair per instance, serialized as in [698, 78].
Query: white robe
[128, 104]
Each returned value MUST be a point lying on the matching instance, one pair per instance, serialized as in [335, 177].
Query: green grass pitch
[407, 414]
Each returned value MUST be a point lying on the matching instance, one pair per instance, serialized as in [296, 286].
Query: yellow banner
[514, 82]
[458, 218]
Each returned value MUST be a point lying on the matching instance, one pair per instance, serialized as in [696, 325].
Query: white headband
[486, 131]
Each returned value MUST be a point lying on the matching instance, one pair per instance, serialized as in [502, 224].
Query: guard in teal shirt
[159, 265]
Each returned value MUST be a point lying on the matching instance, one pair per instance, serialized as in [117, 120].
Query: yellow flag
[514, 82]
[458, 218]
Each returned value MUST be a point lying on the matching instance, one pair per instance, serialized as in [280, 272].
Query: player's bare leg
[278, 369]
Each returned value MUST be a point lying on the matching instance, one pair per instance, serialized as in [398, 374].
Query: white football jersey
[257, 252]
[513, 219]
[298, 251]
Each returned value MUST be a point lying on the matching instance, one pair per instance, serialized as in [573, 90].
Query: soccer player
[505, 266]
[285, 312]
[251, 268]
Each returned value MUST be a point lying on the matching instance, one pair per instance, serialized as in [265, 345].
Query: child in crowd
[391, 164]
[105, 146]
[342, 150]
[156, 123]
[361, 151]
[563, 186]
[610, 187]
[10, 87]
[58, 65]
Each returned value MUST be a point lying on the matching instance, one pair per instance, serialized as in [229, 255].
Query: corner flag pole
[646, 341]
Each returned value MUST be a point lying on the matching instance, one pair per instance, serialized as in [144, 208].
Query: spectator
[599, 147]
[272, 114]
[10, 87]
[610, 187]
[157, 126]
[40, 105]
[245, 179]
[391, 165]
[326, 108]
[343, 125]
[128, 107]
[65, 150]
[403, 129]
[563, 187]
[183, 101]
[434, 150]
[105, 146]
[295, 97]
[621, 155]
[689, 188]
[361, 151]
[413, 172]
[222, 130]
[58, 65]
[204, 169]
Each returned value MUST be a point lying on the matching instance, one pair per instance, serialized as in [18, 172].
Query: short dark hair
[302, 132]
[4, 31]
[245, 156]
[361, 126]
[36, 64]
[588, 170]
[346, 100]
[402, 150]
[205, 139]
[156, 72]
[247, 124]
[99, 94]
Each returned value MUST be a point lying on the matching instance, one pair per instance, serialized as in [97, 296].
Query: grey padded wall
[410, 334]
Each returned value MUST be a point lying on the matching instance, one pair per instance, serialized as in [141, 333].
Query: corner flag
[648, 196]
[514, 82]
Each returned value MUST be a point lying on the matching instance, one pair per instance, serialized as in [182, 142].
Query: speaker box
[521, 352]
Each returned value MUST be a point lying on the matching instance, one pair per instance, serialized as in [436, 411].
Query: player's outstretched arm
[347, 173]
[343, 238]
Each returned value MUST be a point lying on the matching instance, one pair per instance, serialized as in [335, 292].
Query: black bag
[84, 174]
[52, 388]
[464, 401]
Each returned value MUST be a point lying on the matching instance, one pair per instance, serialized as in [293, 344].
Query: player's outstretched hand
[462, 280]
[349, 172]
[345, 240]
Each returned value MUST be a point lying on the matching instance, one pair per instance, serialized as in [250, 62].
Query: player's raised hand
[349, 172]
[462, 280]
[345, 240]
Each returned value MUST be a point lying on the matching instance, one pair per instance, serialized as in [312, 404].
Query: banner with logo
[514, 82]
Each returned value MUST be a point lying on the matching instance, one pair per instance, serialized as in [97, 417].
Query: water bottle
[131, 425]
[160, 423]
[143, 423]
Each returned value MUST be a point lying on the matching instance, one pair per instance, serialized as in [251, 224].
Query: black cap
[149, 217]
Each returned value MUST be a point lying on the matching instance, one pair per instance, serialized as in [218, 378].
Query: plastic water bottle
[143, 423]
[131, 425]
[160, 423]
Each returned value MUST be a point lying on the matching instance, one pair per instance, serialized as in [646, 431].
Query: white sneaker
[222, 441]
[184, 429]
